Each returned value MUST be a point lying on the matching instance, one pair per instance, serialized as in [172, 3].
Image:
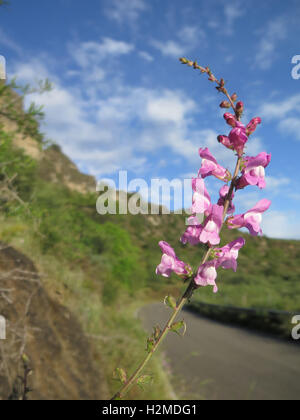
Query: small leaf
[170, 301]
[177, 326]
[150, 344]
[120, 375]
[144, 380]
[25, 358]
[183, 60]
[157, 333]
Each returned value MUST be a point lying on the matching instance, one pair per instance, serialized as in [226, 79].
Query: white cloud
[118, 131]
[280, 109]
[127, 11]
[277, 224]
[191, 34]
[232, 12]
[275, 184]
[168, 107]
[291, 126]
[8, 42]
[146, 56]
[275, 31]
[28, 71]
[169, 48]
[188, 37]
[90, 52]
[286, 113]
[95, 57]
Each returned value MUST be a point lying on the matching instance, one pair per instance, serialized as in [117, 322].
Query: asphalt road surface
[216, 361]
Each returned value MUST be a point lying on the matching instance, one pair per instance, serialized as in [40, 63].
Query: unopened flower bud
[251, 127]
[239, 107]
[183, 60]
[234, 97]
[230, 119]
[225, 104]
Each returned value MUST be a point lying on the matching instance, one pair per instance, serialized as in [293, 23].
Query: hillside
[59, 353]
[95, 271]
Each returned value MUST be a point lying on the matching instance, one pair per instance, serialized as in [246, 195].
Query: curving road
[216, 361]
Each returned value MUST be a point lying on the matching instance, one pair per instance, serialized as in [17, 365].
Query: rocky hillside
[59, 353]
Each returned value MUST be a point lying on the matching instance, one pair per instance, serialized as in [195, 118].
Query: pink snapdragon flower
[207, 275]
[251, 219]
[228, 255]
[251, 127]
[208, 232]
[170, 263]
[201, 199]
[239, 134]
[212, 226]
[223, 194]
[192, 235]
[211, 167]
[193, 231]
[226, 142]
[238, 138]
[254, 171]
[226, 258]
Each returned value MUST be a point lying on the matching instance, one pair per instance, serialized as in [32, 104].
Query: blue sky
[122, 101]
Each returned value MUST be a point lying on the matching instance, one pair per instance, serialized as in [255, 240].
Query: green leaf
[170, 301]
[120, 375]
[150, 344]
[144, 380]
[157, 333]
[177, 326]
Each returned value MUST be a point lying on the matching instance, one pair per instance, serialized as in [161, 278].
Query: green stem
[184, 299]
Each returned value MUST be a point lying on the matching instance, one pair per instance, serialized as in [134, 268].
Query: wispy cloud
[119, 131]
[146, 56]
[232, 11]
[169, 48]
[280, 109]
[125, 11]
[90, 52]
[7, 42]
[275, 184]
[92, 57]
[286, 113]
[277, 224]
[188, 37]
[267, 50]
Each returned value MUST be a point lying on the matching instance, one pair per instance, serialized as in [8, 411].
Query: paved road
[216, 361]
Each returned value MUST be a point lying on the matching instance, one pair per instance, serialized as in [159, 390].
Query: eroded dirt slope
[60, 355]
